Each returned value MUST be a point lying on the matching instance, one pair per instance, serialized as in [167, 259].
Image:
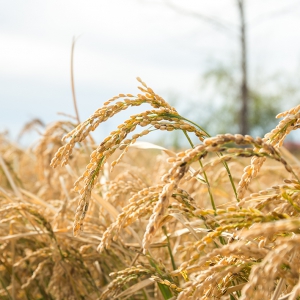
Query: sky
[119, 40]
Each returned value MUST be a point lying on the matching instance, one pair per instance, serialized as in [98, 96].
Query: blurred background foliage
[231, 98]
[219, 93]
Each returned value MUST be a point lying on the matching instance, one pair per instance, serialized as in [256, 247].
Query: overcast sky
[120, 40]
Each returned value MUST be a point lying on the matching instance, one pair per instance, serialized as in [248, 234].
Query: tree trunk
[244, 113]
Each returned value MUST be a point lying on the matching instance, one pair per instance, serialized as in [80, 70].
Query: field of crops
[126, 219]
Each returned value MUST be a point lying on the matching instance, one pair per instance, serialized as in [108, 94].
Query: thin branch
[210, 20]
[275, 14]
[72, 80]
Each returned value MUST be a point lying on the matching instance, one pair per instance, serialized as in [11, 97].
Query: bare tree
[250, 101]
[241, 34]
[244, 116]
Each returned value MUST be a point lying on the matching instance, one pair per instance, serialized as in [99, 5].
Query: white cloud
[121, 40]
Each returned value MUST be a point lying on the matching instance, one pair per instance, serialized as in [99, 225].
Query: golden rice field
[126, 219]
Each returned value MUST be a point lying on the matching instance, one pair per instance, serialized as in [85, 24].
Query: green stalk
[169, 248]
[222, 241]
[165, 291]
[204, 174]
[144, 294]
[208, 135]
[230, 178]
[224, 162]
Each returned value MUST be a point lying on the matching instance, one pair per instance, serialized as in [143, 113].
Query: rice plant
[127, 219]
